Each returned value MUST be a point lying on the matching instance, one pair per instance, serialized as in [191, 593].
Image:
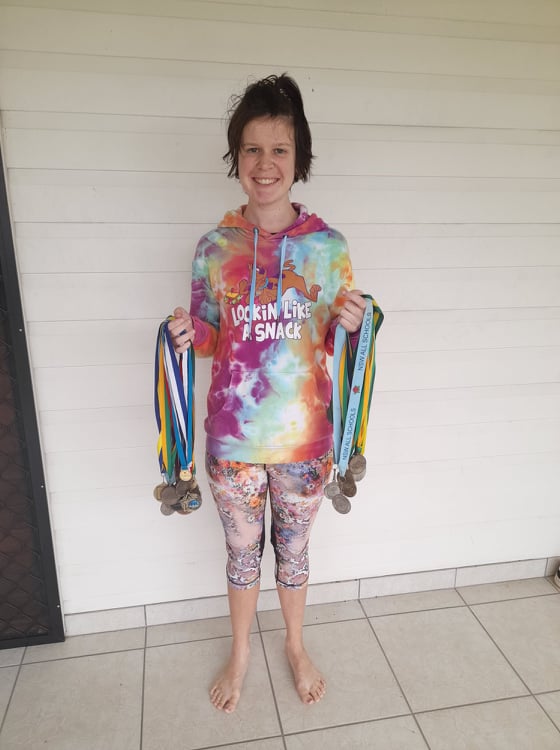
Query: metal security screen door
[29, 602]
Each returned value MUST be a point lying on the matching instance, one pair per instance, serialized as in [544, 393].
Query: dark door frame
[26, 406]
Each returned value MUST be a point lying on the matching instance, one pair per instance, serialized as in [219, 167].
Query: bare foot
[310, 683]
[226, 690]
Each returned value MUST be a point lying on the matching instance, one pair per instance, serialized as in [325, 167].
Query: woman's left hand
[352, 312]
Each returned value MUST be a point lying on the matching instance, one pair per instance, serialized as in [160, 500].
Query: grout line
[85, 655]
[477, 703]
[499, 648]
[396, 679]
[272, 689]
[142, 699]
[543, 709]
[9, 703]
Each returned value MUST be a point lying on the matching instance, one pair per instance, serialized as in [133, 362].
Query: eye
[251, 150]
[280, 151]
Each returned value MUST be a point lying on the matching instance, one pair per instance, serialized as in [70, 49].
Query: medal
[174, 410]
[158, 490]
[347, 485]
[341, 504]
[357, 466]
[353, 377]
[168, 495]
[167, 510]
[331, 490]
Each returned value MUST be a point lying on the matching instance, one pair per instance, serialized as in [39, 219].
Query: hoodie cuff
[201, 331]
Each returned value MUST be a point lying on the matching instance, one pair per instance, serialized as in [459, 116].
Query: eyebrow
[252, 143]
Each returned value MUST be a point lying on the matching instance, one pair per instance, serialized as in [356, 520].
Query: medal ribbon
[174, 406]
[353, 377]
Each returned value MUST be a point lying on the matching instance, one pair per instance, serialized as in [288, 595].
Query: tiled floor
[473, 668]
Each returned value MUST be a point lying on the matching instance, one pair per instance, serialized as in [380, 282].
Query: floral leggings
[296, 492]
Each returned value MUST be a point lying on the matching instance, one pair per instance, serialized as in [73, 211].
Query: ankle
[294, 644]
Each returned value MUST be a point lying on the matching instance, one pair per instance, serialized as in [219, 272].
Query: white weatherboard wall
[437, 132]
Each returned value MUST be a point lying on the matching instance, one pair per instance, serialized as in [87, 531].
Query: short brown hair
[274, 96]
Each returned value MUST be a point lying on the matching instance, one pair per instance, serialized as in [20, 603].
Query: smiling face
[266, 164]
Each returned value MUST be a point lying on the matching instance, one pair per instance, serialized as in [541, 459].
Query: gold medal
[185, 475]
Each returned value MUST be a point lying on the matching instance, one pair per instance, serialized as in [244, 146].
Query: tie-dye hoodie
[269, 333]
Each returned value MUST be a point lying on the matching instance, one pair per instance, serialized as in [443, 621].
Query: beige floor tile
[444, 658]
[87, 645]
[7, 678]
[527, 631]
[551, 704]
[177, 710]
[90, 703]
[518, 724]
[386, 734]
[360, 685]
[194, 630]
[398, 603]
[11, 657]
[314, 614]
[495, 592]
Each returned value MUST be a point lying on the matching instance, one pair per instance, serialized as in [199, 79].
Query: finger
[180, 312]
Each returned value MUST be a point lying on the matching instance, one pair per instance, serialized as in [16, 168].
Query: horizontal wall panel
[499, 12]
[110, 342]
[150, 125]
[191, 231]
[156, 197]
[113, 295]
[149, 254]
[446, 21]
[61, 149]
[235, 42]
[203, 90]
[420, 370]
[105, 296]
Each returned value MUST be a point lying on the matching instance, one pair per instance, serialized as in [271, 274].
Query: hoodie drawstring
[254, 278]
[253, 281]
[282, 260]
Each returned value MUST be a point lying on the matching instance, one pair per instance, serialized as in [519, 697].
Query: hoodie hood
[304, 224]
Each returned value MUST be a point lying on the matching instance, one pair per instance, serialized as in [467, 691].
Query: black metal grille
[23, 606]
[29, 606]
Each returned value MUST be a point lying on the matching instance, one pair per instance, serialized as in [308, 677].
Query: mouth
[265, 180]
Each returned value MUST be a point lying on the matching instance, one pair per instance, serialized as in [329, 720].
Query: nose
[265, 160]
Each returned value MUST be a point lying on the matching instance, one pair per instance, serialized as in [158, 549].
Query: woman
[269, 285]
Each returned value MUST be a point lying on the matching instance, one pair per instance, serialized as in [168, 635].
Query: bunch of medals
[174, 407]
[353, 377]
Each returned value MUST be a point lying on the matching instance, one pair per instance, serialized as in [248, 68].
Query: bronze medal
[357, 466]
[167, 510]
[341, 504]
[347, 485]
[168, 495]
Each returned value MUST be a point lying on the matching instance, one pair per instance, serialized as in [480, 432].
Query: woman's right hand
[181, 329]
